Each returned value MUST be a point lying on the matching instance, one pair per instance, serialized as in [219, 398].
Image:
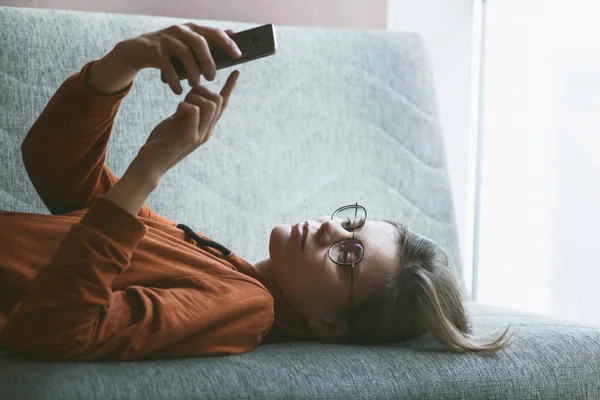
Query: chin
[281, 233]
[278, 239]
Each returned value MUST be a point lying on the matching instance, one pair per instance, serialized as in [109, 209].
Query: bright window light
[539, 219]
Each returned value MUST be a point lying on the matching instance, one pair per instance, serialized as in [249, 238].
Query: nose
[333, 231]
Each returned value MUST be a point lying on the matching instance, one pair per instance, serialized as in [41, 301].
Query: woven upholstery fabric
[549, 360]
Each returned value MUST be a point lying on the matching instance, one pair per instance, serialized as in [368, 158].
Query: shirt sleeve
[70, 311]
[65, 149]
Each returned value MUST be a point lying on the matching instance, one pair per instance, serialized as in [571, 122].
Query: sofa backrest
[335, 117]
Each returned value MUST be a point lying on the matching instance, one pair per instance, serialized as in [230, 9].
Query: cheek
[307, 285]
[300, 276]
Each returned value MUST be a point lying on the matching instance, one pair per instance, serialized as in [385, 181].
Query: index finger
[219, 37]
[228, 89]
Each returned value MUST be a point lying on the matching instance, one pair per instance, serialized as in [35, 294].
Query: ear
[328, 330]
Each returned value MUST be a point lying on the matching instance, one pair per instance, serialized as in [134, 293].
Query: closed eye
[347, 224]
[345, 257]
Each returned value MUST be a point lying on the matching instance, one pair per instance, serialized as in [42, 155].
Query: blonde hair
[423, 297]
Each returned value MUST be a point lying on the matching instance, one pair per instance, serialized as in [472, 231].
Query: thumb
[187, 113]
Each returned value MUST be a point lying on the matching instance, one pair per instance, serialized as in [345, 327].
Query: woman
[105, 277]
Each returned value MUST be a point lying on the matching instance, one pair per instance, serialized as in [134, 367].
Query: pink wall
[368, 14]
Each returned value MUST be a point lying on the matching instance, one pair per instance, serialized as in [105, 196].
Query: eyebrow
[364, 242]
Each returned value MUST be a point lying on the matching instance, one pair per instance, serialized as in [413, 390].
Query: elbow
[28, 153]
[26, 147]
[41, 339]
[20, 339]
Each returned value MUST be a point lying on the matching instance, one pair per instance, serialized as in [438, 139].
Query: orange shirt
[94, 282]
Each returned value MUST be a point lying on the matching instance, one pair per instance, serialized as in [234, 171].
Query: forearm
[134, 187]
[64, 150]
[110, 74]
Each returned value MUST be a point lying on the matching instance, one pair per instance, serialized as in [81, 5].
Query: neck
[264, 267]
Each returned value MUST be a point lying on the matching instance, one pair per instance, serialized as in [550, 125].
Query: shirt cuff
[114, 222]
[99, 99]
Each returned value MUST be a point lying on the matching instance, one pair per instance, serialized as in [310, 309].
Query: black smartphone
[254, 43]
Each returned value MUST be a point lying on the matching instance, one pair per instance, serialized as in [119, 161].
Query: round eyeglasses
[349, 252]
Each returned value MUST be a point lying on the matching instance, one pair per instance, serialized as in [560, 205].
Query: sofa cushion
[550, 359]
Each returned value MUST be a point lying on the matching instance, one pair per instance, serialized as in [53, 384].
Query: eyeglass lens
[348, 251]
[350, 217]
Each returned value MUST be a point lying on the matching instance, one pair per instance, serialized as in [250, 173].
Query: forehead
[380, 260]
[380, 241]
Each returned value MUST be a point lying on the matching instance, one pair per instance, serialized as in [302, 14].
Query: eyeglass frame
[353, 264]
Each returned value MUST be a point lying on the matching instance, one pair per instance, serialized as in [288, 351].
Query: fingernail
[237, 51]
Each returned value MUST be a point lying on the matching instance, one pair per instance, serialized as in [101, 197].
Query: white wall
[370, 14]
[446, 29]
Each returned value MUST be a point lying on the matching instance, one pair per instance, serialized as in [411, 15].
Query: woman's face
[315, 285]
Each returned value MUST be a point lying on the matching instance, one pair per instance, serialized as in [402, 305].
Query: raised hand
[188, 128]
[189, 42]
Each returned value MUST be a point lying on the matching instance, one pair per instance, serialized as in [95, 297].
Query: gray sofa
[336, 116]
